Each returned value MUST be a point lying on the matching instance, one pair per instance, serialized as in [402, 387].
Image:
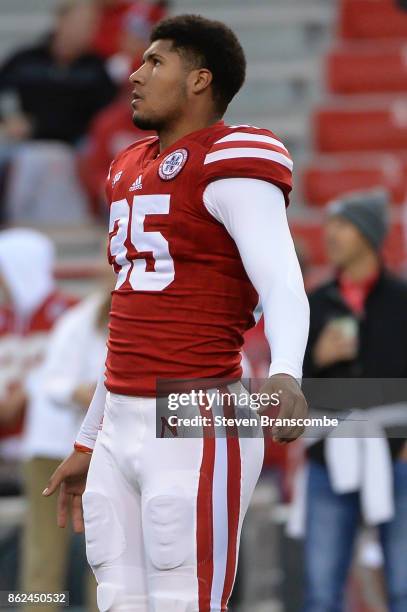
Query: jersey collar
[191, 136]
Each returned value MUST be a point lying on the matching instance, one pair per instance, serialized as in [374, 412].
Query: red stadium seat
[308, 239]
[394, 251]
[325, 178]
[372, 19]
[362, 126]
[367, 68]
[402, 156]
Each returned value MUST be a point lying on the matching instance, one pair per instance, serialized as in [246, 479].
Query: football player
[198, 233]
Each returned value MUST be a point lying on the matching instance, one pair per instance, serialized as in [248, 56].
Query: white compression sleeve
[254, 214]
[91, 423]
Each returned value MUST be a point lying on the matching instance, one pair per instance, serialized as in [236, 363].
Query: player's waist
[122, 411]
[184, 309]
[143, 382]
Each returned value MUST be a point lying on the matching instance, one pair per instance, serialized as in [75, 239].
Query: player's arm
[86, 438]
[254, 214]
[70, 476]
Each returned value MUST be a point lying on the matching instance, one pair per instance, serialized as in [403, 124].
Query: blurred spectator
[358, 328]
[133, 39]
[108, 38]
[49, 94]
[52, 90]
[113, 129]
[43, 187]
[111, 132]
[62, 392]
[30, 305]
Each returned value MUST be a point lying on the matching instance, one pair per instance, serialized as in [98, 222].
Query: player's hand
[292, 405]
[334, 345]
[70, 477]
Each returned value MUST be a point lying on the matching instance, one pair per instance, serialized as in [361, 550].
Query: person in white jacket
[59, 393]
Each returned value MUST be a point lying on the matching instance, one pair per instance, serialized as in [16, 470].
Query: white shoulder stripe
[241, 136]
[245, 125]
[236, 152]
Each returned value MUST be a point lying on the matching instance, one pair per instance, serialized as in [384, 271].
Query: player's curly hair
[208, 44]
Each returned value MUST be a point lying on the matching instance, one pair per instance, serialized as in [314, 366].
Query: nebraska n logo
[137, 184]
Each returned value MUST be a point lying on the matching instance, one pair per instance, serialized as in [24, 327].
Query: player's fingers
[281, 432]
[77, 514]
[295, 410]
[299, 414]
[291, 434]
[294, 434]
[54, 482]
[62, 506]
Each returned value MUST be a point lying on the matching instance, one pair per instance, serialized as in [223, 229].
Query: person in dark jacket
[52, 90]
[49, 93]
[358, 328]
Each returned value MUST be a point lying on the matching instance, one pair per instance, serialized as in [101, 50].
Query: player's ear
[199, 80]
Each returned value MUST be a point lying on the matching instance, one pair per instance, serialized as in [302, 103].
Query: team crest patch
[172, 164]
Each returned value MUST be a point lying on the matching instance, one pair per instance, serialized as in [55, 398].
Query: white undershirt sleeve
[254, 214]
[91, 423]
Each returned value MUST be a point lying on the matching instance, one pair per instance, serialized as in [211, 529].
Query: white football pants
[163, 515]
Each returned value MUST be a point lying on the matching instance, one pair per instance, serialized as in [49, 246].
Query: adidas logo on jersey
[137, 184]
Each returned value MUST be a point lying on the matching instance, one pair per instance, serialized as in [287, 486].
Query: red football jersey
[183, 300]
[23, 346]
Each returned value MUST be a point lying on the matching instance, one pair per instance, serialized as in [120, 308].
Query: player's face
[160, 90]
[344, 243]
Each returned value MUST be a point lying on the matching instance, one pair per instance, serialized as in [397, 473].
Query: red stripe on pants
[204, 530]
[233, 500]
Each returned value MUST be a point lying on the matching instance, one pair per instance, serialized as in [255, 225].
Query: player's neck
[174, 133]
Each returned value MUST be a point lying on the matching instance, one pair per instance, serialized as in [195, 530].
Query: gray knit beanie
[367, 211]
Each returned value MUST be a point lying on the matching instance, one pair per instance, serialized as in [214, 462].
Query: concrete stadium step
[265, 96]
[81, 255]
[276, 31]
[77, 241]
[282, 13]
[290, 127]
[202, 5]
[17, 32]
[285, 85]
[278, 41]
[13, 22]
[27, 6]
[297, 69]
